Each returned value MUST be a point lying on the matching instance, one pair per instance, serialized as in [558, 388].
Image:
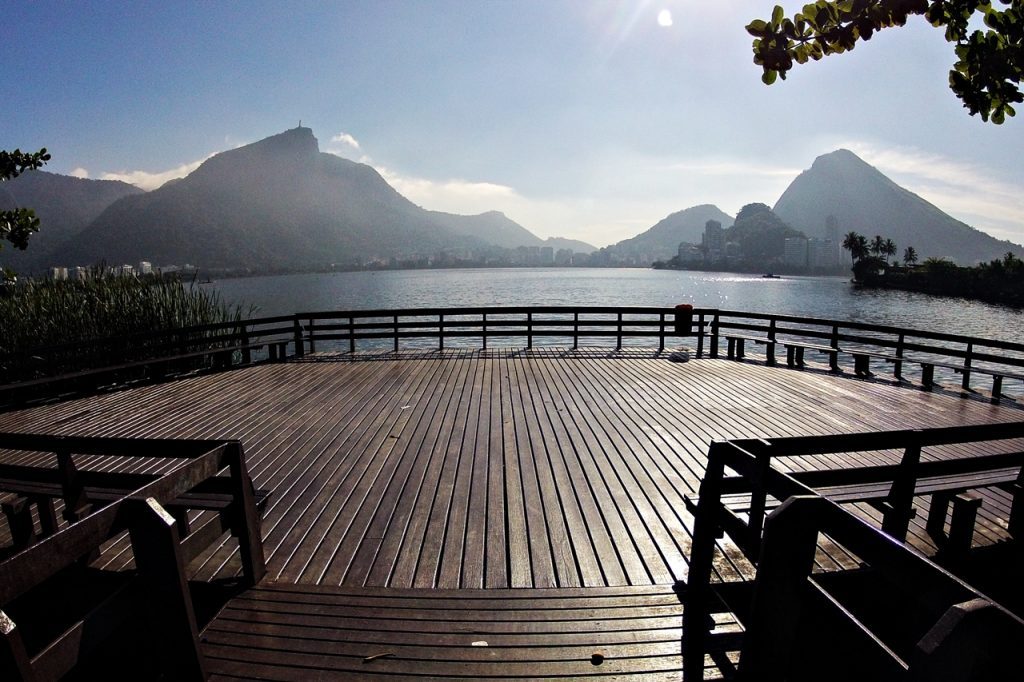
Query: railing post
[966, 383]
[76, 502]
[300, 346]
[714, 336]
[312, 336]
[661, 332]
[618, 340]
[440, 331]
[900, 502]
[351, 334]
[898, 365]
[576, 330]
[529, 330]
[700, 336]
[769, 353]
[155, 546]
[484, 334]
[244, 339]
[394, 322]
[833, 355]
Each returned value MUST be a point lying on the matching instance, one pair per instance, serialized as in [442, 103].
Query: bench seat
[795, 353]
[862, 360]
[735, 346]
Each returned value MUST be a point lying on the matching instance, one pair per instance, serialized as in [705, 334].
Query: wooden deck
[436, 474]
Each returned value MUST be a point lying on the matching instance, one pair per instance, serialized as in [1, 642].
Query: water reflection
[822, 297]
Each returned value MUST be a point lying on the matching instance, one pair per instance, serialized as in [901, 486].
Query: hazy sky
[590, 119]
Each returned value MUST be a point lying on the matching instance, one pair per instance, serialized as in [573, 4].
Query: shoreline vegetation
[47, 313]
[1000, 280]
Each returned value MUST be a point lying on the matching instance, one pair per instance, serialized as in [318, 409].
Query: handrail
[752, 460]
[146, 355]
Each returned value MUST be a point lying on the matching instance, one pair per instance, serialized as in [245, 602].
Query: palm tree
[857, 245]
[910, 256]
[877, 245]
[889, 249]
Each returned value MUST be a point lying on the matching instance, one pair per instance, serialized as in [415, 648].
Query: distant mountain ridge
[65, 206]
[276, 204]
[864, 200]
[661, 241]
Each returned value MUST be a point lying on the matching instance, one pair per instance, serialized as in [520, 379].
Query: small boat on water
[770, 276]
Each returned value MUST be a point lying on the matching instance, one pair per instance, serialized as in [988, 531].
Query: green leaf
[777, 15]
[757, 28]
[769, 76]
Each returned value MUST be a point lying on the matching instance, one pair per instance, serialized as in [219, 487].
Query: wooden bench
[735, 346]
[795, 353]
[891, 489]
[23, 487]
[737, 505]
[997, 378]
[862, 361]
[150, 606]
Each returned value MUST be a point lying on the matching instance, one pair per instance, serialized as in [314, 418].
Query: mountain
[574, 245]
[662, 240]
[498, 229]
[64, 205]
[760, 234]
[278, 203]
[864, 200]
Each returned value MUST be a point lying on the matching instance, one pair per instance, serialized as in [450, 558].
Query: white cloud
[966, 191]
[453, 196]
[150, 181]
[665, 18]
[80, 173]
[346, 139]
[343, 145]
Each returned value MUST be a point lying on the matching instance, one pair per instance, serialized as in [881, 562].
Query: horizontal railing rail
[45, 372]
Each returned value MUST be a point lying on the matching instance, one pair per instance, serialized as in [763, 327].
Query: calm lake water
[824, 297]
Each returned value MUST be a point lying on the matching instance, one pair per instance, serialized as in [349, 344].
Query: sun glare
[664, 18]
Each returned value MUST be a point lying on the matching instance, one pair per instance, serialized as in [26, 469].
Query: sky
[591, 120]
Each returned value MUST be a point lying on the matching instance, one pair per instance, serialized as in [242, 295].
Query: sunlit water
[822, 297]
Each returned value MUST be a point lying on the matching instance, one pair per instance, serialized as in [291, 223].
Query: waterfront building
[795, 252]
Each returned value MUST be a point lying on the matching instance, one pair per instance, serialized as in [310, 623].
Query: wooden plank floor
[410, 491]
[289, 632]
[496, 469]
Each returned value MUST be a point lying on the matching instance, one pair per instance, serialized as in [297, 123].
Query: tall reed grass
[38, 315]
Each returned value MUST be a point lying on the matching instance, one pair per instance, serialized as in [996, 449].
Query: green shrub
[37, 315]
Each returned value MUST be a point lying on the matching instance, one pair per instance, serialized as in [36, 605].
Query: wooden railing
[737, 504]
[515, 326]
[99, 505]
[843, 346]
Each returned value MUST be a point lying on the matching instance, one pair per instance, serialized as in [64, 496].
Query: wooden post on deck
[714, 335]
[155, 545]
[787, 556]
[899, 504]
[300, 348]
[966, 382]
